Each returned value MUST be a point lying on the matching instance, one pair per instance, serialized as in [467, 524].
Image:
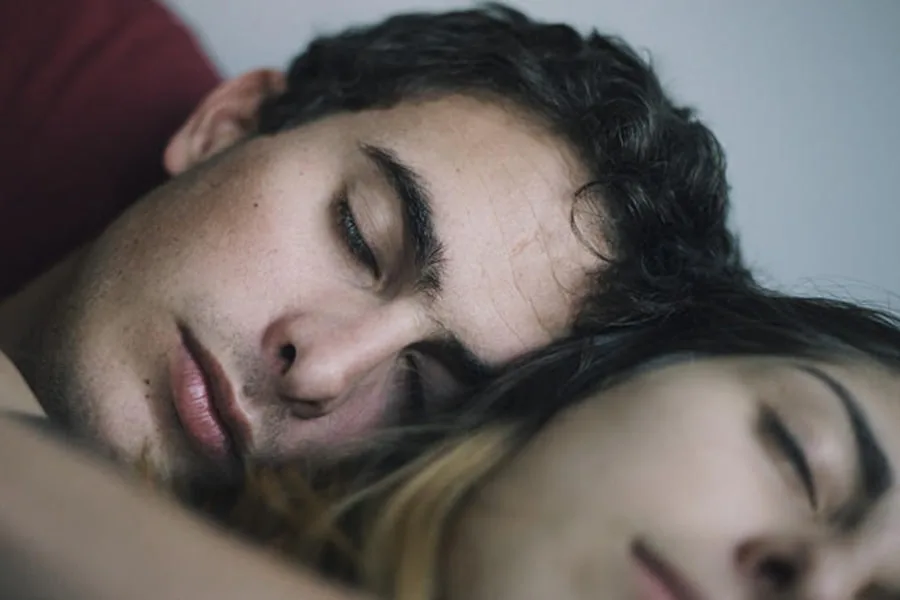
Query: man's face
[299, 290]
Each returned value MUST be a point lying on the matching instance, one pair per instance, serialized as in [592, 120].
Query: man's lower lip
[196, 410]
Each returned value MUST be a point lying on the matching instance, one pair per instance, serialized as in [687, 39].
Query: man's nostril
[778, 574]
[287, 353]
[306, 410]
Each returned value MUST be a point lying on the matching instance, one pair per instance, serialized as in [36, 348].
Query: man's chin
[172, 463]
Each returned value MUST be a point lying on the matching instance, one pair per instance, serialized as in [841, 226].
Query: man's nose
[319, 362]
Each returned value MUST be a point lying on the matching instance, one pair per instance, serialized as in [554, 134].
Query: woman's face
[719, 479]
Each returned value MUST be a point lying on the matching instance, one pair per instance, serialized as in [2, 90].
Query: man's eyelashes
[353, 237]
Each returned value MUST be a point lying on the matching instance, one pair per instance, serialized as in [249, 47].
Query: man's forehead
[476, 126]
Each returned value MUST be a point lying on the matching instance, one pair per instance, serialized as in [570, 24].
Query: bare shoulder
[15, 395]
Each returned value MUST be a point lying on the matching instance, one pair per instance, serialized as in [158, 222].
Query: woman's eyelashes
[776, 433]
[354, 239]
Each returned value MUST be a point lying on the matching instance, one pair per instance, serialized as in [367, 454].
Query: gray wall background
[804, 94]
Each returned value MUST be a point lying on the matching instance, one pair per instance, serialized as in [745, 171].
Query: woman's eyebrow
[877, 476]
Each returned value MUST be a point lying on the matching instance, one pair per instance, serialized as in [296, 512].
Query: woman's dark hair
[657, 195]
[729, 322]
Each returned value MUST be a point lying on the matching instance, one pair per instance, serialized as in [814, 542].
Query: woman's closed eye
[785, 443]
[354, 239]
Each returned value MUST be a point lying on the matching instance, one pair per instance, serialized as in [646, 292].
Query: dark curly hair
[658, 193]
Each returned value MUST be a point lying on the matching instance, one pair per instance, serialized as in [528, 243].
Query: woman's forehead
[687, 397]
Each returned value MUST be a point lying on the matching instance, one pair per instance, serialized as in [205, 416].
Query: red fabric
[90, 92]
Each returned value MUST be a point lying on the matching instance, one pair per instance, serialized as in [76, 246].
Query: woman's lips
[658, 580]
[205, 405]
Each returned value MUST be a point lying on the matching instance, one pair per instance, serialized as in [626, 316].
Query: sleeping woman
[743, 447]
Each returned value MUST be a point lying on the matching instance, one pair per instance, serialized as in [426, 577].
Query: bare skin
[141, 546]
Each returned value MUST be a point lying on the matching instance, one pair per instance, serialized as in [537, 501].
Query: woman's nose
[774, 566]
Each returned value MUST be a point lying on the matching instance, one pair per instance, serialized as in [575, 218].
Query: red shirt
[90, 92]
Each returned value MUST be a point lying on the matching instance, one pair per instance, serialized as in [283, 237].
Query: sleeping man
[346, 245]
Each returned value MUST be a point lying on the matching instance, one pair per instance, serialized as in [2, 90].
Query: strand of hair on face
[402, 544]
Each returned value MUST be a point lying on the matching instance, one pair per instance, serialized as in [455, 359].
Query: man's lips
[205, 403]
[657, 579]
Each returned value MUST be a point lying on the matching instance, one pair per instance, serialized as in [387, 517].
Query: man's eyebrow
[877, 475]
[416, 200]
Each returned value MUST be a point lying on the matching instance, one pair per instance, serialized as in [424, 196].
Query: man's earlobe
[226, 115]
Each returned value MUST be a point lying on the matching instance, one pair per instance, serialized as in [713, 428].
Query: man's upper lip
[667, 574]
[221, 393]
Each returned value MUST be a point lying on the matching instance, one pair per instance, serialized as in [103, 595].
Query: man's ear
[226, 115]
